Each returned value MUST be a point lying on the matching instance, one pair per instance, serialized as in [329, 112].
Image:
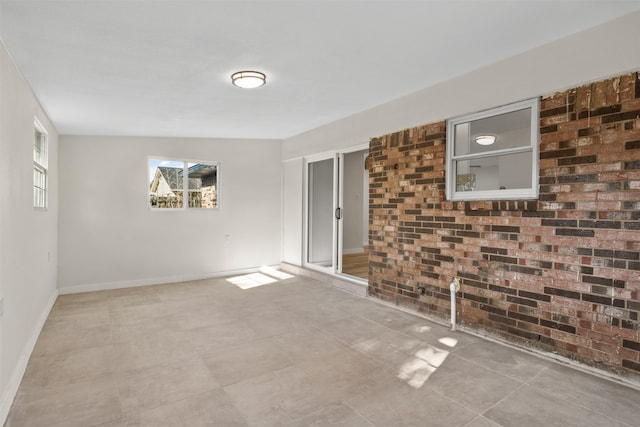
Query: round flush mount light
[248, 79]
[485, 139]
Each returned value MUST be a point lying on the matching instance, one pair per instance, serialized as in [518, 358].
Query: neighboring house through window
[40, 162]
[168, 184]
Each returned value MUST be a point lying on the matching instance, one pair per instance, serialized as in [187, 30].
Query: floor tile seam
[413, 338]
[473, 411]
[393, 370]
[483, 417]
[162, 404]
[119, 374]
[504, 374]
[550, 357]
[355, 411]
[572, 402]
[505, 397]
[389, 329]
[236, 346]
[73, 350]
[554, 397]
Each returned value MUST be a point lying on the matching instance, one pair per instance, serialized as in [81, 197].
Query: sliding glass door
[337, 214]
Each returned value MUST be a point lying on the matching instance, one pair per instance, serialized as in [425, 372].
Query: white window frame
[185, 183]
[41, 167]
[533, 147]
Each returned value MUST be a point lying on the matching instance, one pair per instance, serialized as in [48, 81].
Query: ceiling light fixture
[248, 79]
[485, 139]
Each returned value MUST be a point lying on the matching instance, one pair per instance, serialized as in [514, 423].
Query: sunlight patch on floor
[448, 341]
[266, 276]
[417, 370]
[275, 273]
[252, 280]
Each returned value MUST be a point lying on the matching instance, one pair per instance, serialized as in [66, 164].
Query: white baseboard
[349, 251]
[104, 286]
[16, 377]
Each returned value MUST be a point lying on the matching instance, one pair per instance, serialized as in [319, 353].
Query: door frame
[337, 228]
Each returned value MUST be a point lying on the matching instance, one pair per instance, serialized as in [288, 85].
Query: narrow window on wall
[493, 155]
[182, 184]
[40, 162]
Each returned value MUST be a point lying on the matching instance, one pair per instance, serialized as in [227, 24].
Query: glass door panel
[354, 255]
[320, 211]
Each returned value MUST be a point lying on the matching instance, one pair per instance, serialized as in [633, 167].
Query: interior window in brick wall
[493, 154]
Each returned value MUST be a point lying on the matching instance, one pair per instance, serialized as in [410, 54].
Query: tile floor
[293, 352]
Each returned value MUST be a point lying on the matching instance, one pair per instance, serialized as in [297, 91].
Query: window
[494, 154]
[39, 166]
[170, 180]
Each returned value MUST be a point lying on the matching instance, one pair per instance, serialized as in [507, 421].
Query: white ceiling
[162, 68]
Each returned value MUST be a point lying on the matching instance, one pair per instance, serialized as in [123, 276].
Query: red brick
[536, 257]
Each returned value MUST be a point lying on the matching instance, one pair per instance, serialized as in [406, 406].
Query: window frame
[534, 148]
[185, 183]
[40, 166]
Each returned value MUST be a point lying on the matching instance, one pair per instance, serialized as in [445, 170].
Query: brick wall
[561, 273]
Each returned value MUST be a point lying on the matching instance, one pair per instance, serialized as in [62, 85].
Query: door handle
[338, 213]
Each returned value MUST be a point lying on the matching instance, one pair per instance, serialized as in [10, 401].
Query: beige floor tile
[87, 302]
[392, 402]
[482, 422]
[272, 321]
[80, 315]
[213, 408]
[197, 289]
[232, 365]
[605, 397]
[294, 352]
[166, 325]
[389, 317]
[353, 329]
[338, 415]
[404, 355]
[83, 403]
[59, 369]
[514, 364]
[308, 344]
[64, 340]
[470, 385]
[439, 335]
[343, 373]
[203, 314]
[130, 315]
[528, 407]
[278, 397]
[152, 350]
[149, 388]
[220, 336]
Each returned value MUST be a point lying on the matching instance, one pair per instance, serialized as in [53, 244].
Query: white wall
[606, 50]
[292, 191]
[110, 238]
[28, 238]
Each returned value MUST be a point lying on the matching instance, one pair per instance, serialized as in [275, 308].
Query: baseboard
[351, 251]
[344, 283]
[16, 377]
[104, 286]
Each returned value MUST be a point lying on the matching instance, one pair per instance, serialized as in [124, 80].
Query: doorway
[337, 208]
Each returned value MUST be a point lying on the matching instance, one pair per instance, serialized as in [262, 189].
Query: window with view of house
[493, 154]
[181, 184]
[39, 166]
